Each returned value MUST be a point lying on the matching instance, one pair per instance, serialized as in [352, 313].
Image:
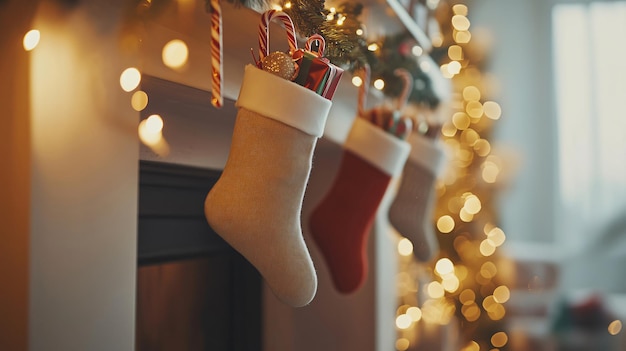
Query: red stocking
[341, 222]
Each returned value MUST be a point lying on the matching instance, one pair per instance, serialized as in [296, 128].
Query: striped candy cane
[264, 32]
[363, 89]
[402, 126]
[321, 46]
[408, 86]
[217, 85]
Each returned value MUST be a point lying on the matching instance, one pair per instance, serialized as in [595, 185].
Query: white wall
[84, 183]
[519, 54]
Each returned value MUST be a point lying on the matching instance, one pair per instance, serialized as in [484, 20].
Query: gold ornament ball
[280, 64]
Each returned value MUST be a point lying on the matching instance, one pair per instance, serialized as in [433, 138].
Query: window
[590, 84]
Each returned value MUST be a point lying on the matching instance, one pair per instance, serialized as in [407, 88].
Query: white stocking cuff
[381, 149]
[284, 101]
[426, 152]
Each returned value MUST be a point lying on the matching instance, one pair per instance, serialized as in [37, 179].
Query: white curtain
[590, 85]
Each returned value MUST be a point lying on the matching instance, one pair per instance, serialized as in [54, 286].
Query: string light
[470, 311]
[488, 270]
[31, 39]
[417, 50]
[130, 79]
[415, 313]
[432, 4]
[175, 54]
[403, 321]
[444, 266]
[474, 109]
[461, 120]
[460, 9]
[482, 147]
[501, 294]
[379, 84]
[445, 224]
[499, 339]
[471, 93]
[454, 67]
[435, 290]
[469, 136]
[467, 297]
[448, 129]
[402, 344]
[462, 37]
[455, 53]
[472, 346]
[490, 172]
[492, 110]
[472, 204]
[139, 100]
[445, 72]
[150, 134]
[331, 14]
[486, 248]
[615, 327]
[460, 23]
[405, 247]
[450, 283]
[154, 124]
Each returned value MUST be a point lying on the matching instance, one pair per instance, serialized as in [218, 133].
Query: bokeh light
[492, 110]
[31, 39]
[403, 321]
[499, 339]
[435, 290]
[130, 79]
[415, 313]
[471, 93]
[402, 344]
[444, 266]
[405, 247]
[445, 224]
[379, 84]
[175, 54]
[139, 100]
[615, 327]
[501, 294]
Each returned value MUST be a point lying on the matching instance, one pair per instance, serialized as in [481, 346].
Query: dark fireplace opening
[194, 292]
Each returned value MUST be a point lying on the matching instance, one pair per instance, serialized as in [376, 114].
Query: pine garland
[395, 52]
[339, 29]
[346, 48]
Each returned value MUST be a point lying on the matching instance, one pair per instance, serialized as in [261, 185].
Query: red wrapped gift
[315, 72]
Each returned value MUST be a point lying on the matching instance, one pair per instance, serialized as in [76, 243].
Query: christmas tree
[459, 297]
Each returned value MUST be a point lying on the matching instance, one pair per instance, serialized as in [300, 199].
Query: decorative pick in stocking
[256, 204]
[412, 209]
[341, 222]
